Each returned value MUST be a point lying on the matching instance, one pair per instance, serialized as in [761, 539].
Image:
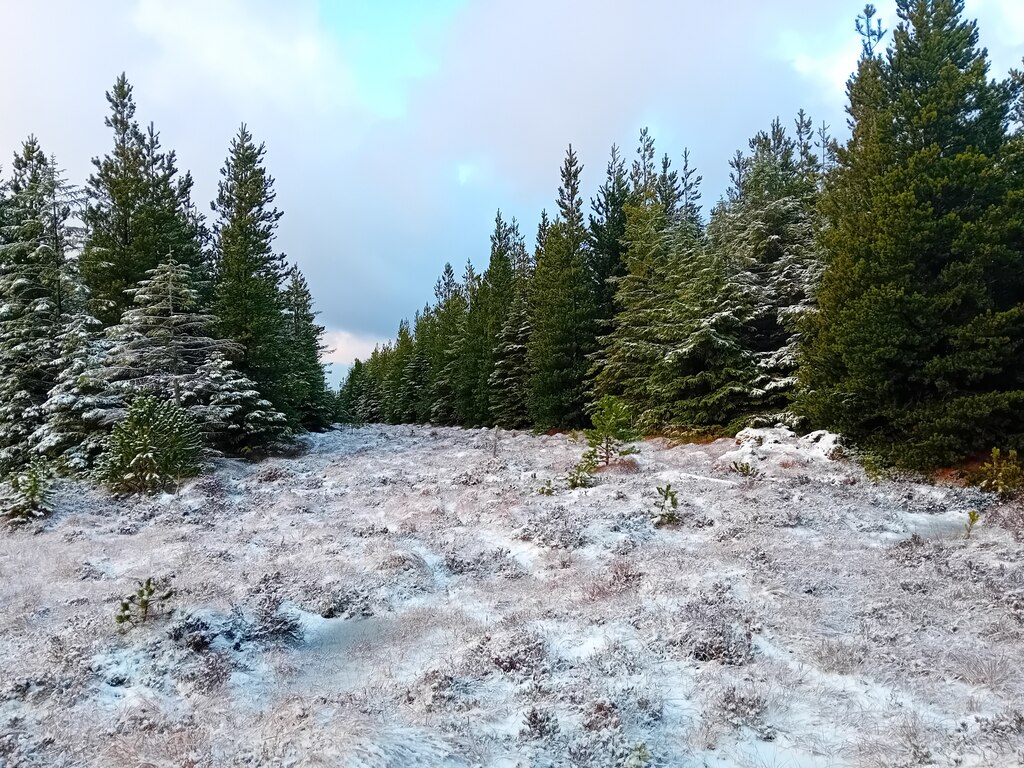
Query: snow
[402, 596]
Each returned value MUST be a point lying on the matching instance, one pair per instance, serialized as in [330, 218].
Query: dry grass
[792, 621]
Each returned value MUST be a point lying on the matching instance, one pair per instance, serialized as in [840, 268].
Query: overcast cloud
[396, 129]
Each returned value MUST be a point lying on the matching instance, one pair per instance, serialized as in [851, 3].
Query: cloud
[395, 130]
[345, 348]
[827, 60]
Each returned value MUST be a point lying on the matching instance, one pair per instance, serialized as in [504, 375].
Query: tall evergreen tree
[163, 340]
[764, 233]
[631, 349]
[489, 298]
[562, 313]
[918, 347]
[510, 380]
[703, 374]
[248, 300]
[607, 235]
[38, 291]
[669, 192]
[138, 211]
[307, 384]
[398, 406]
[450, 312]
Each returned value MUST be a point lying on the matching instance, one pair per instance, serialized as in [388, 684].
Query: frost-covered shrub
[745, 469]
[538, 725]
[715, 628]
[742, 707]
[557, 528]
[156, 446]
[666, 506]
[27, 494]
[639, 757]
[582, 475]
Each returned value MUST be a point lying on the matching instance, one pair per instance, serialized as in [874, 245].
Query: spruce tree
[639, 333]
[138, 211]
[351, 393]
[562, 313]
[510, 379]
[450, 312]
[248, 300]
[415, 385]
[38, 290]
[703, 374]
[607, 237]
[631, 349]
[163, 340]
[238, 420]
[471, 359]
[669, 191]
[917, 350]
[764, 233]
[308, 394]
[79, 407]
[398, 406]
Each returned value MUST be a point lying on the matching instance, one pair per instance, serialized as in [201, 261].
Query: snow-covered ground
[405, 597]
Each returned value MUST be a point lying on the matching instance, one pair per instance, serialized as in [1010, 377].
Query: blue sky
[396, 129]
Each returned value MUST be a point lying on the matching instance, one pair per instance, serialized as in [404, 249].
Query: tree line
[873, 286]
[123, 290]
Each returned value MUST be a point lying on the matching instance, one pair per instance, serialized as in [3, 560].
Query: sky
[395, 129]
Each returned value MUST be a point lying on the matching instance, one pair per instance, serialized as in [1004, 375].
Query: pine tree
[607, 236]
[689, 198]
[415, 385]
[351, 393]
[239, 421]
[764, 233]
[643, 176]
[37, 295]
[703, 376]
[163, 340]
[248, 300]
[450, 312]
[631, 350]
[138, 211]
[918, 348]
[471, 360]
[489, 298]
[562, 313]
[669, 192]
[307, 386]
[79, 406]
[398, 407]
[510, 379]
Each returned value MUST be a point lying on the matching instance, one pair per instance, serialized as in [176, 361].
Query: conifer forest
[871, 285]
[662, 478]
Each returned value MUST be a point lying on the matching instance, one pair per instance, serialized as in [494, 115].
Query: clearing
[405, 597]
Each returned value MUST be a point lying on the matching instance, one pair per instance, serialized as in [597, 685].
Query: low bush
[1002, 475]
[613, 426]
[28, 493]
[666, 506]
[135, 608]
[582, 475]
[154, 448]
